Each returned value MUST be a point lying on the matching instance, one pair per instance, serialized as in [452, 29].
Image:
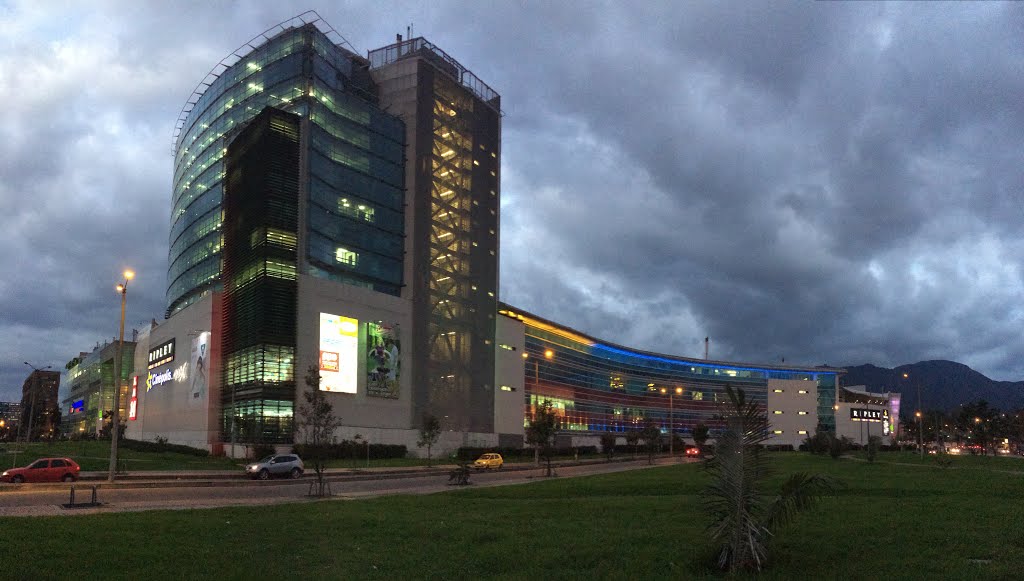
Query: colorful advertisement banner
[198, 363]
[339, 349]
[383, 365]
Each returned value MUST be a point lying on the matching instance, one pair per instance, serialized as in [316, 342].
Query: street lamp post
[548, 354]
[671, 419]
[32, 405]
[122, 289]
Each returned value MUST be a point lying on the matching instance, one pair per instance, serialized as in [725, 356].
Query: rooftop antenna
[705, 348]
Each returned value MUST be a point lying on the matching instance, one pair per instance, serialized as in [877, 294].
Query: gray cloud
[828, 182]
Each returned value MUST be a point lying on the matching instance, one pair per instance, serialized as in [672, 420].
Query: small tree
[608, 444]
[741, 522]
[541, 432]
[633, 439]
[701, 432]
[651, 436]
[318, 424]
[429, 434]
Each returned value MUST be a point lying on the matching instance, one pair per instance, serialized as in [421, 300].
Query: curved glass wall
[597, 387]
[356, 148]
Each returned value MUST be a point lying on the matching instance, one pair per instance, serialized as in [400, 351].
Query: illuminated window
[802, 432]
[778, 412]
[355, 210]
[507, 388]
[777, 432]
[778, 390]
[698, 396]
[507, 347]
[346, 256]
[802, 391]
[802, 413]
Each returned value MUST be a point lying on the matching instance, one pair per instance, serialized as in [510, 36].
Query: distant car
[692, 452]
[44, 470]
[489, 461]
[284, 465]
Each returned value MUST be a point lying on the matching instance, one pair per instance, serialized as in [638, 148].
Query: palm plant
[742, 522]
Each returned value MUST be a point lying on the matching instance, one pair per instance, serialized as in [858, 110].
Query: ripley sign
[161, 354]
[866, 415]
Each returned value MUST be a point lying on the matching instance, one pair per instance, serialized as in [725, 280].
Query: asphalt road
[29, 500]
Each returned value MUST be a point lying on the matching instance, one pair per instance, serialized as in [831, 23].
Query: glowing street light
[122, 289]
[671, 419]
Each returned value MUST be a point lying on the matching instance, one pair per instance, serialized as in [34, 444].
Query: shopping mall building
[340, 213]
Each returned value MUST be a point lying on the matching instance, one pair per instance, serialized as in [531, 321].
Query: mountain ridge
[944, 385]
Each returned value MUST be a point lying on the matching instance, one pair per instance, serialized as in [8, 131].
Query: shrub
[874, 443]
[353, 450]
[161, 446]
[261, 450]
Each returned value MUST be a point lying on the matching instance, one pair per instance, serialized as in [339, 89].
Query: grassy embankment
[898, 518]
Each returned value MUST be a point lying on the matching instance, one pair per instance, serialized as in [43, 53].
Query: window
[802, 413]
[778, 390]
[41, 463]
[57, 464]
[507, 388]
[802, 391]
[802, 432]
[777, 432]
[778, 412]
[346, 256]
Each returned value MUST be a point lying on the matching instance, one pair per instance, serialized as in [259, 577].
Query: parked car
[44, 470]
[692, 452]
[285, 465]
[489, 461]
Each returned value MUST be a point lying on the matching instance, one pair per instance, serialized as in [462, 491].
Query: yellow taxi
[488, 461]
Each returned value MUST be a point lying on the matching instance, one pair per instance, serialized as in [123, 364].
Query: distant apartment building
[39, 404]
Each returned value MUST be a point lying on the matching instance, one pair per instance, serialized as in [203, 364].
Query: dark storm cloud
[825, 182]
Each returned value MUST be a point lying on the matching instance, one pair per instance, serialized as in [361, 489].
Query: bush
[838, 445]
[818, 443]
[874, 443]
[350, 449]
[261, 450]
[161, 446]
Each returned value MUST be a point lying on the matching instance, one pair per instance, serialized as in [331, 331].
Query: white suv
[289, 465]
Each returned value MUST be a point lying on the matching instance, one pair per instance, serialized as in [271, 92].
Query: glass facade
[357, 156]
[315, 186]
[90, 382]
[597, 387]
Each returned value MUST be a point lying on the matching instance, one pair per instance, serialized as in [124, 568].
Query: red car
[44, 470]
[692, 452]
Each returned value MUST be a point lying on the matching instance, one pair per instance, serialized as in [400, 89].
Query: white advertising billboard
[339, 353]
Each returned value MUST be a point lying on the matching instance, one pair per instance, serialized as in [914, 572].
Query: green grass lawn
[93, 455]
[899, 518]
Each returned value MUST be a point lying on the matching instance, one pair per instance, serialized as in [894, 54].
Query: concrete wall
[384, 420]
[509, 394]
[182, 410]
[792, 410]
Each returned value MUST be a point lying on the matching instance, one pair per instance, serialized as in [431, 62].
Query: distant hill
[944, 385]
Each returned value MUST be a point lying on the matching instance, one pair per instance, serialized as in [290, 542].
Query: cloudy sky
[831, 183]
